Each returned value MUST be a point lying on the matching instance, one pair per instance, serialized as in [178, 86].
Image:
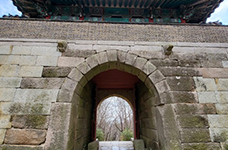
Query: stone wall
[44, 29]
[41, 89]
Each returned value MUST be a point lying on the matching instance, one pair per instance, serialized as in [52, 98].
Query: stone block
[222, 97]
[219, 134]
[75, 75]
[200, 146]
[8, 70]
[30, 71]
[195, 135]
[47, 60]
[22, 60]
[2, 135]
[83, 67]
[140, 62]
[193, 121]
[20, 147]
[4, 59]
[92, 61]
[207, 97]
[218, 121]
[36, 95]
[222, 84]
[7, 94]
[138, 144]
[130, 59]
[215, 60]
[25, 136]
[121, 56]
[80, 46]
[148, 68]
[21, 50]
[225, 64]
[45, 51]
[195, 109]
[30, 121]
[60, 113]
[214, 72]
[102, 58]
[204, 84]
[7, 108]
[70, 61]
[10, 82]
[100, 48]
[41, 83]
[181, 83]
[79, 53]
[65, 95]
[162, 86]
[165, 62]
[5, 121]
[156, 76]
[184, 97]
[112, 55]
[183, 71]
[5, 49]
[56, 71]
[148, 54]
[142, 76]
[222, 108]
[93, 145]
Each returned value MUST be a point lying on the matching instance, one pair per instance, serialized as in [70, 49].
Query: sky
[220, 14]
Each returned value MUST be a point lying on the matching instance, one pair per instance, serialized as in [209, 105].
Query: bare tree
[114, 115]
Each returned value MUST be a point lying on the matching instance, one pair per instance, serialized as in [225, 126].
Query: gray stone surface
[25, 136]
[41, 83]
[56, 71]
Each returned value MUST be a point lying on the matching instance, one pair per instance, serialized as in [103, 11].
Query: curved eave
[203, 8]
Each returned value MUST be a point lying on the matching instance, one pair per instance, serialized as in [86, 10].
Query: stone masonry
[46, 95]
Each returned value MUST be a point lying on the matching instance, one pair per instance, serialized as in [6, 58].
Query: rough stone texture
[214, 72]
[195, 135]
[113, 32]
[222, 108]
[30, 71]
[7, 94]
[13, 147]
[173, 71]
[195, 109]
[41, 83]
[222, 97]
[10, 82]
[30, 121]
[5, 121]
[218, 134]
[47, 60]
[181, 83]
[201, 146]
[18, 108]
[22, 60]
[204, 84]
[36, 95]
[56, 71]
[207, 97]
[222, 84]
[93, 145]
[138, 144]
[25, 136]
[184, 97]
[57, 135]
[8, 70]
[2, 135]
[218, 121]
[193, 121]
[69, 61]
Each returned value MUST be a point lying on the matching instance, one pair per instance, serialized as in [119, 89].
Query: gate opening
[114, 120]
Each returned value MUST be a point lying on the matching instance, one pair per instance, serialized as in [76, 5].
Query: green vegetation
[126, 135]
[100, 135]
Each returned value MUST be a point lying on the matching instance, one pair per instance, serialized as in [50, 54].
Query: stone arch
[78, 81]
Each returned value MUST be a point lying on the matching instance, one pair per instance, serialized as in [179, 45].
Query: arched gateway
[106, 73]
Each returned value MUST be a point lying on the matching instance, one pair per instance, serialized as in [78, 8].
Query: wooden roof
[202, 8]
